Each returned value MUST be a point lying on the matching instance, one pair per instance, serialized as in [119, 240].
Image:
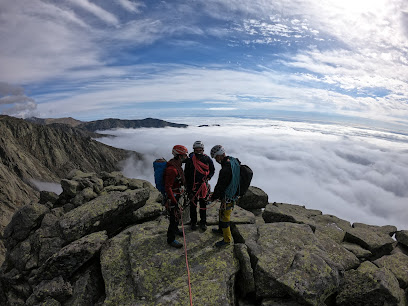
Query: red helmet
[179, 149]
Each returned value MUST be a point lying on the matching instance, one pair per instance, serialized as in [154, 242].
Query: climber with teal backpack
[233, 181]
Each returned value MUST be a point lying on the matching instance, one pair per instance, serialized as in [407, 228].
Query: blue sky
[134, 59]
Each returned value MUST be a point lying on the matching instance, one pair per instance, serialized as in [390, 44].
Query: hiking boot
[203, 227]
[193, 226]
[221, 243]
[176, 244]
[217, 231]
[179, 232]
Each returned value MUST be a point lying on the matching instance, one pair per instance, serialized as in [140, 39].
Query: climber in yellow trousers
[225, 219]
[226, 190]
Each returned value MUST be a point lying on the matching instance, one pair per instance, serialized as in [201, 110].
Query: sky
[327, 59]
[359, 175]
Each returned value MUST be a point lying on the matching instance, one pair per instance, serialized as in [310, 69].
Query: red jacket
[172, 182]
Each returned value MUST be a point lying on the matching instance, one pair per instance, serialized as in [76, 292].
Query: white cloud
[222, 108]
[13, 101]
[356, 174]
[47, 186]
[42, 41]
[97, 11]
[242, 90]
[131, 6]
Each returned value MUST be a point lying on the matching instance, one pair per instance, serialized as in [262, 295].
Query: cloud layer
[356, 174]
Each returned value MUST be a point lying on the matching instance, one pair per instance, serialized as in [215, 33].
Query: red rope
[195, 196]
[185, 252]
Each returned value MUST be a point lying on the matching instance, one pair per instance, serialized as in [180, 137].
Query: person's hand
[210, 197]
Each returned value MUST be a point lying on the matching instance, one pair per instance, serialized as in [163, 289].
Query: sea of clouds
[354, 173]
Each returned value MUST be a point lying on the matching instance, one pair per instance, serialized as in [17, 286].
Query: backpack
[159, 165]
[245, 178]
[238, 188]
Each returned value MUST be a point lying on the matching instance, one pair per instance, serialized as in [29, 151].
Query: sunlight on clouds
[360, 6]
[356, 174]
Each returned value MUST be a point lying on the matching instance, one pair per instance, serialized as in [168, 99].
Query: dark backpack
[159, 165]
[245, 178]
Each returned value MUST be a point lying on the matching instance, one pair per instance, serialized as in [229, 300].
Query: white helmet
[198, 144]
[217, 150]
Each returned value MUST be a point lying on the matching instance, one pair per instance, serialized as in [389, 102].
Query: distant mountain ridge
[112, 123]
[108, 124]
[46, 121]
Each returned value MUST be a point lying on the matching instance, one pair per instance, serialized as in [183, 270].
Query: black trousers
[174, 222]
[203, 212]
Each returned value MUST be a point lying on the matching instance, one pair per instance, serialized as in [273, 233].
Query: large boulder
[88, 288]
[254, 198]
[48, 197]
[69, 187]
[153, 207]
[139, 268]
[238, 215]
[24, 220]
[398, 265]
[57, 289]
[402, 237]
[376, 239]
[290, 260]
[331, 226]
[369, 285]
[110, 212]
[72, 257]
[357, 250]
[282, 212]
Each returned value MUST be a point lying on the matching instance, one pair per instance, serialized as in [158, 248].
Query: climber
[199, 170]
[174, 184]
[226, 190]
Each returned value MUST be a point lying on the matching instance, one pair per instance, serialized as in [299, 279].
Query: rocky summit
[102, 241]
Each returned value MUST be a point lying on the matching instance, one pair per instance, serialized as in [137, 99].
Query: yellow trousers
[225, 220]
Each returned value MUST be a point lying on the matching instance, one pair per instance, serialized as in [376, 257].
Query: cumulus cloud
[356, 174]
[14, 102]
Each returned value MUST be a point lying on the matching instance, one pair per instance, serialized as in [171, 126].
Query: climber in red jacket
[174, 184]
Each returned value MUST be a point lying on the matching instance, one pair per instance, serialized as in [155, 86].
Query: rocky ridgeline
[103, 242]
[31, 152]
